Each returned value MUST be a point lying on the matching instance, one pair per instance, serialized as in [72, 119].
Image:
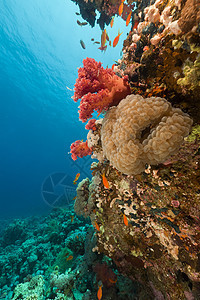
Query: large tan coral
[142, 131]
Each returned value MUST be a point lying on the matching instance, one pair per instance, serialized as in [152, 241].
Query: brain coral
[140, 131]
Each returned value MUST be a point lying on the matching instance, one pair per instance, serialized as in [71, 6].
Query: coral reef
[161, 54]
[142, 131]
[38, 268]
[31, 290]
[98, 88]
[158, 245]
[146, 216]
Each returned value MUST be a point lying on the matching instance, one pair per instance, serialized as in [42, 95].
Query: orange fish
[121, 7]
[99, 293]
[113, 66]
[103, 38]
[125, 220]
[116, 40]
[97, 226]
[72, 218]
[128, 18]
[112, 281]
[110, 43]
[76, 178]
[105, 181]
[112, 22]
[70, 257]
[67, 253]
[135, 24]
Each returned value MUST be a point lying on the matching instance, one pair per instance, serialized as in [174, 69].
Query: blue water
[39, 55]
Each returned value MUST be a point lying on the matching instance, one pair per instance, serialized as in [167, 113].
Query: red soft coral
[98, 88]
[79, 149]
[91, 124]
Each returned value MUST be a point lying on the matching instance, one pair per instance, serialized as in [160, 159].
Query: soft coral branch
[98, 88]
[80, 149]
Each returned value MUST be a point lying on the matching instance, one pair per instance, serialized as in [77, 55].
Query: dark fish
[81, 23]
[82, 44]
[92, 39]
[77, 13]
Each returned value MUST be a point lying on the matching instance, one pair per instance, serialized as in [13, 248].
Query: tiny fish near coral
[105, 181]
[116, 39]
[82, 44]
[99, 292]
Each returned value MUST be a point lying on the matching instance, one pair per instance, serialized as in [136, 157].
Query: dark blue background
[39, 55]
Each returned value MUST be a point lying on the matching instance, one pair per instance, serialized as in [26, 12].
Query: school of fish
[104, 34]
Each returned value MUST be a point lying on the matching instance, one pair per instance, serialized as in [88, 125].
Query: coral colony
[143, 198]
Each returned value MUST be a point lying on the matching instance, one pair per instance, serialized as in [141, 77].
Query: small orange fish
[97, 226]
[74, 198]
[113, 66]
[72, 218]
[128, 18]
[110, 43]
[135, 24]
[103, 38]
[77, 237]
[121, 7]
[99, 293]
[112, 281]
[105, 181]
[112, 22]
[76, 178]
[99, 114]
[116, 40]
[70, 257]
[125, 220]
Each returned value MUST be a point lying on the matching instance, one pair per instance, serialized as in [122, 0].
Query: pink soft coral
[79, 149]
[98, 88]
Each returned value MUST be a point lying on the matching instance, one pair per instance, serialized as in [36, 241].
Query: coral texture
[190, 15]
[91, 124]
[98, 88]
[81, 203]
[160, 245]
[140, 131]
[34, 289]
[79, 149]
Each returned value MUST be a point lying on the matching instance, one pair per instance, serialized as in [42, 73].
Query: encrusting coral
[142, 131]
